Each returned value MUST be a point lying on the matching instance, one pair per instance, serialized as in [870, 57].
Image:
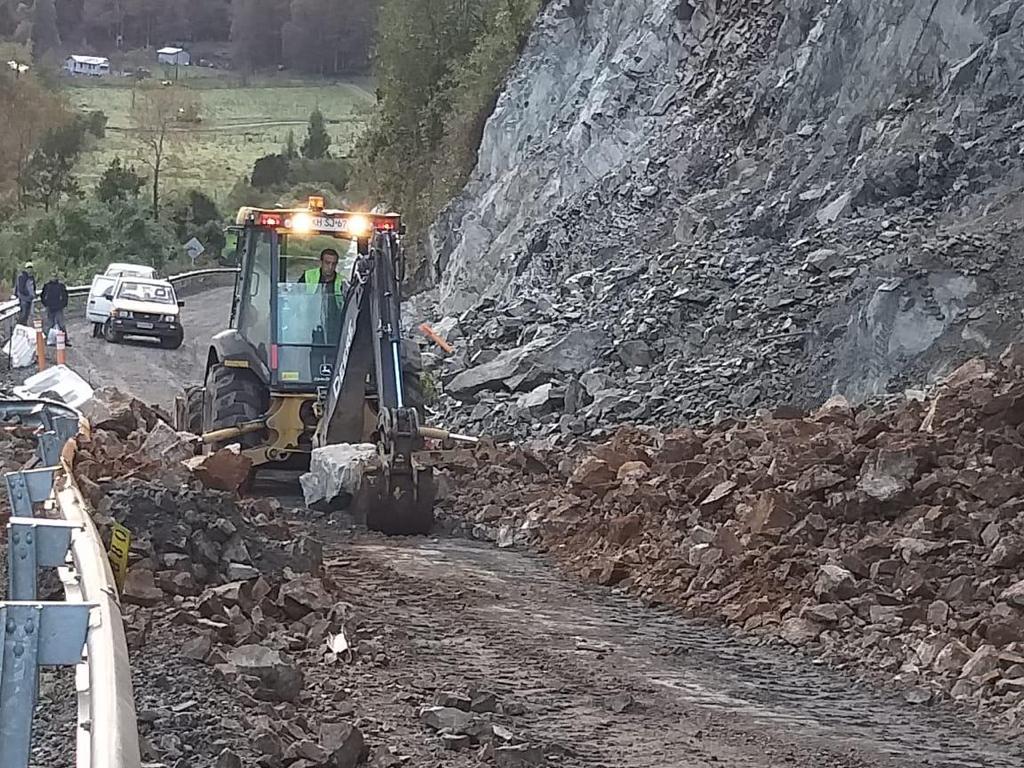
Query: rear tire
[112, 336]
[233, 396]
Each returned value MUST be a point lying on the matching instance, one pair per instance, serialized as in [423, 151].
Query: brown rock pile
[889, 535]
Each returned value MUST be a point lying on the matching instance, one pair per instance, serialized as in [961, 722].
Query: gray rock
[343, 743]
[336, 474]
[446, 719]
[281, 679]
[634, 353]
[835, 583]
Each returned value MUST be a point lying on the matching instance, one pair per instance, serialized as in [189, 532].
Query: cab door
[97, 310]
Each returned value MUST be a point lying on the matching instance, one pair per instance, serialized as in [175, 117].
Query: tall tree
[49, 175]
[256, 33]
[45, 36]
[104, 21]
[28, 109]
[208, 19]
[118, 183]
[153, 119]
[318, 141]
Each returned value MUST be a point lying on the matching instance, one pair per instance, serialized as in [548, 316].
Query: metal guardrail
[35, 634]
[9, 309]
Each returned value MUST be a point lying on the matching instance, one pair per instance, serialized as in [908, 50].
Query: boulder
[224, 470]
[343, 743]
[336, 474]
[280, 679]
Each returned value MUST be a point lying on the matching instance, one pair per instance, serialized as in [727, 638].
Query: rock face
[889, 536]
[748, 204]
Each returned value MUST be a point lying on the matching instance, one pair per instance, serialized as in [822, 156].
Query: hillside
[736, 205]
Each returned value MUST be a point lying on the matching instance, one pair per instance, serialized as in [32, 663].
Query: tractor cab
[287, 306]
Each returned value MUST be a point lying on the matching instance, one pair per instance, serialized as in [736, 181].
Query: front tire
[173, 342]
[112, 336]
[233, 396]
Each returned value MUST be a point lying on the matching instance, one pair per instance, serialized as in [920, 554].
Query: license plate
[145, 326]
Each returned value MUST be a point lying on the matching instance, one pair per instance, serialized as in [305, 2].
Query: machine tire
[194, 397]
[173, 342]
[233, 396]
[112, 336]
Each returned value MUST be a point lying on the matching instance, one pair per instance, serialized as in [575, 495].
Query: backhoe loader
[302, 366]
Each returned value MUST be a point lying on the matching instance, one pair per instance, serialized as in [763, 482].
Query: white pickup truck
[144, 307]
[97, 308]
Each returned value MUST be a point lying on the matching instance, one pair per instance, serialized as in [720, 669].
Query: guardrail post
[34, 544]
[28, 487]
[48, 445]
[65, 427]
[33, 635]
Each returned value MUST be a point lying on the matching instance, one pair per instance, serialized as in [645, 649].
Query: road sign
[194, 249]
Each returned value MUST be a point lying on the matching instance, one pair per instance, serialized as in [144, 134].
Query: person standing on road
[55, 301]
[25, 292]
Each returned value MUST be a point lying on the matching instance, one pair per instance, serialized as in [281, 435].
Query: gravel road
[141, 367]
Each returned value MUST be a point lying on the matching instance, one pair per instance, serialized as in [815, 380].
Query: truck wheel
[193, 416]
[233, 396]
[114, 337]
[173, 342]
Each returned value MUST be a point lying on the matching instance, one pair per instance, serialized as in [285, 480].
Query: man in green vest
[324, 275]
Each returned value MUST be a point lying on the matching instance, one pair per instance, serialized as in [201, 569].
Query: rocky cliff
[734, 204]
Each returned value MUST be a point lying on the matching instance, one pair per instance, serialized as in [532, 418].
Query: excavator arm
[401, 498]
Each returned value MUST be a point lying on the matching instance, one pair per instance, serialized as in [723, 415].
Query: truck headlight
[170, 318]
[123, 313]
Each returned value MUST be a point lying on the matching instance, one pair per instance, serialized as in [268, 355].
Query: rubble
[890, 535]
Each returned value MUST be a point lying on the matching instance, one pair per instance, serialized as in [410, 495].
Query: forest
[318, 37]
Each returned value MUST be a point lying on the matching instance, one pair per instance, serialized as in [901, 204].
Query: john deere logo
[326, 370]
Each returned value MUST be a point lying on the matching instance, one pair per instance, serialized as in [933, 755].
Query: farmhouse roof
[94, 60]
[170, 50]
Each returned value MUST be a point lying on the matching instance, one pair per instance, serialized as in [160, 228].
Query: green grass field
[239, 124]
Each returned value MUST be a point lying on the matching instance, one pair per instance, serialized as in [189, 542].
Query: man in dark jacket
[55, 300]
[25, 292]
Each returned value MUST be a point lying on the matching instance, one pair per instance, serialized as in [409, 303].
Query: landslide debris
[748, 204]
[890, 536]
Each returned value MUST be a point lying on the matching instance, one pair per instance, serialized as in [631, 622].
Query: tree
[255, 37]
[290, 149]
[270, 171]
[28, 108]
[119, 183]
[45, 36]
[49, 173]
[153, 118]
[317, 139]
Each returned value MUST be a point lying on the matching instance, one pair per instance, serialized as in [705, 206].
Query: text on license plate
[146, 326]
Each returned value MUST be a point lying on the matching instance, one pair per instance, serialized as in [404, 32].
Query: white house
[97, 66]
[173, 56]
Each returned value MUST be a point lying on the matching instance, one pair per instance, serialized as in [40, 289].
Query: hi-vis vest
[313, 282]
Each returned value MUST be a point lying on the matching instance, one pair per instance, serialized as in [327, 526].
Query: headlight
[170, 318]
[124, 313]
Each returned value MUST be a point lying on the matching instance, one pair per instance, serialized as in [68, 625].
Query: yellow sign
[120, 543]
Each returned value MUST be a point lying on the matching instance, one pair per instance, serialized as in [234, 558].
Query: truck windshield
[158, 294]
[309, 312]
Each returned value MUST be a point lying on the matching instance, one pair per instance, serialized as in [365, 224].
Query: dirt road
[142, 367]
[605, 682]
